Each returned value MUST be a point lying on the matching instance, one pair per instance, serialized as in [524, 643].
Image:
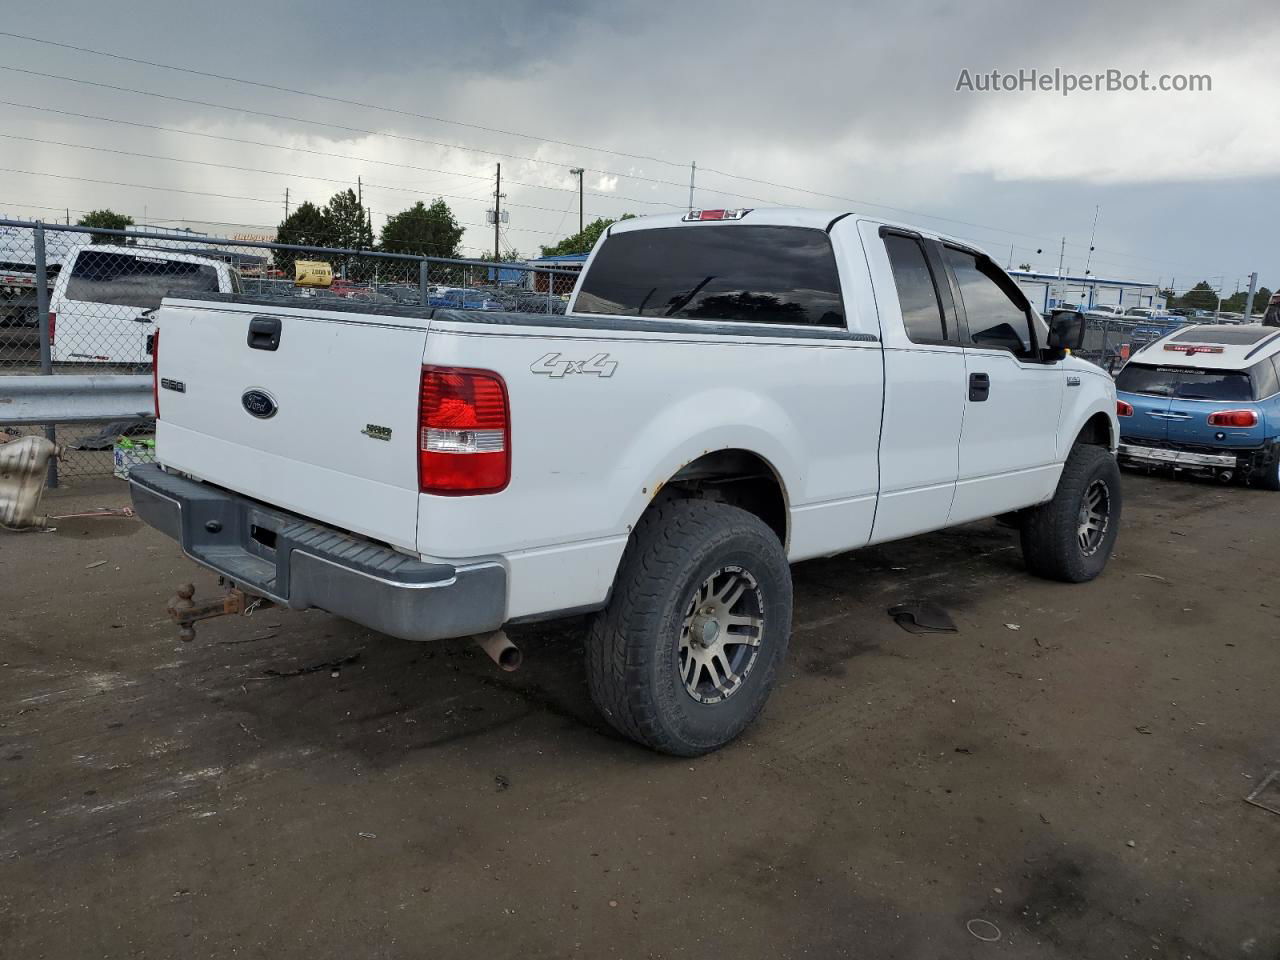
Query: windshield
[1185, 383]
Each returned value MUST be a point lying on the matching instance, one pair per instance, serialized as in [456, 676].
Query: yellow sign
[312, 273]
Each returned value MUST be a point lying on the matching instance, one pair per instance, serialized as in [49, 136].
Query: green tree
[107, 220]
[583, 242]
[430, 231]
[305, 227]
[348, 224]
[1200, 297]
[1236, 302]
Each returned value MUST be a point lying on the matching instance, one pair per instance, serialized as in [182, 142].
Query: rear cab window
[736, 273]
[135, 280]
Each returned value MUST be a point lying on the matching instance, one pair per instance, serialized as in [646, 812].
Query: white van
[102, 301]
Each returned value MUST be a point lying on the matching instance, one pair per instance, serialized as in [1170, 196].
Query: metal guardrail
[93, 398]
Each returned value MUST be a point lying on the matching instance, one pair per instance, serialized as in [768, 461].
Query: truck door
[924, 383]
[1008, 455]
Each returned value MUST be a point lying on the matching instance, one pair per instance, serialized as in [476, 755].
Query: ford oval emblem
[259, 403]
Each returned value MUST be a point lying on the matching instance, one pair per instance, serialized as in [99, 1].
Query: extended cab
[729, 392]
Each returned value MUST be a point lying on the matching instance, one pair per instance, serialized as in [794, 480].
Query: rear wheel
[1070, 538]
[686, 653]
[1268, 475]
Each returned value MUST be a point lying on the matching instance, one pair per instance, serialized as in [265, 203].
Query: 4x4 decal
[599, 366]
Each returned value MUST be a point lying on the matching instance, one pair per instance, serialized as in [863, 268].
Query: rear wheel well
[737, 477]
[1097, 431]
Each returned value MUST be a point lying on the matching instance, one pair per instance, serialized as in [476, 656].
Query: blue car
[1205, 400]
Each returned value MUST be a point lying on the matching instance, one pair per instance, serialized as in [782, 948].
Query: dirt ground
[292, 785]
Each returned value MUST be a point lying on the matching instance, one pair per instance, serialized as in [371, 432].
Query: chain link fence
[75, 300]
[1110, 341]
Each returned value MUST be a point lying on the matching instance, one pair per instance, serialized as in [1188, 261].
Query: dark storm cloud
[856, 100]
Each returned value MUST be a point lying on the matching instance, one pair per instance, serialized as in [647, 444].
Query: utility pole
[1062, 252]
[359, 192]
[286, 203]
[1092, 233]
[1010, 266]
[497, 213]
[693, 169]
[579, 171]
[1248, 303]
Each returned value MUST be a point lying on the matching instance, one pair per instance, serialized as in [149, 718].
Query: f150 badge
[553, 366]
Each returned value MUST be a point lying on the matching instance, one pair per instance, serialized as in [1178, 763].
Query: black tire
[1267, 477]
[638, 647]
[1052, 532]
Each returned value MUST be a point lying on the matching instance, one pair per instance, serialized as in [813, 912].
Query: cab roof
[816, 218]
[1213, 347]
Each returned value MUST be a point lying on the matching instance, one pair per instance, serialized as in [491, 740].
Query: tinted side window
[921, 310]
[996, 320]
[739, 273]
[1265, 382]
[135, 281]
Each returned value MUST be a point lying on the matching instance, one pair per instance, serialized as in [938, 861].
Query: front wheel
[1070, 538]
[684, 656]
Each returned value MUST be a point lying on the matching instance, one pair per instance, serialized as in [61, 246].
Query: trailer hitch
[185, 612]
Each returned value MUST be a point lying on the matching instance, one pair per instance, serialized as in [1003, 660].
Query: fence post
[46, 340]
[423, 277]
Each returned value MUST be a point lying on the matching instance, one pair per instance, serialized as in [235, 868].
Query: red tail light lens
[464, 432]
[1124, 409]
[53, 325]
[1234, 418]
[155, 371]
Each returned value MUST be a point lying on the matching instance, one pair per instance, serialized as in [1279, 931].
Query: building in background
[1047, 291]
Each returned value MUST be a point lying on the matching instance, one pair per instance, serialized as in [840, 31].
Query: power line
[323, 153]
[366, 132]
[342, 100]
[202, 193]
[338, 126]
[274, 173]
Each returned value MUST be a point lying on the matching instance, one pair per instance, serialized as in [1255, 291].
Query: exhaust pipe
[500, 650]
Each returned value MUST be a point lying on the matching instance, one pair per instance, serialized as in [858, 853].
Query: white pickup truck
[730, 392]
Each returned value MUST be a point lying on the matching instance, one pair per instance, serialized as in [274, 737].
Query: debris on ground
[333, 666]
[1013, 626]
[984, 930]
[921, 616]
[96, 563]
[1271, 784]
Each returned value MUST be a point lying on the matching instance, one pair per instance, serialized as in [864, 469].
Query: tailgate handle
[264, 333]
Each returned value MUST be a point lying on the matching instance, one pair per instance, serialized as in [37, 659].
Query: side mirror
[1066, 330]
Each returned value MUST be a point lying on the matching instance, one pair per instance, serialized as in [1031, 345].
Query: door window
[996, 314]
[917, 294]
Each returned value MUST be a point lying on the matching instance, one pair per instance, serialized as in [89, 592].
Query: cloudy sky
[847, 106]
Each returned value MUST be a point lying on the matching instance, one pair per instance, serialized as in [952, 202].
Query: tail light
[1234, 418]
[53, 325]
[464, 432]
[155, 371]
[1124, 409]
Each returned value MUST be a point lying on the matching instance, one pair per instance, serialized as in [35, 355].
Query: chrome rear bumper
[1177, 458]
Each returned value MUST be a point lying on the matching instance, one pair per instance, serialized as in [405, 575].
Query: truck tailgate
[324, 424]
